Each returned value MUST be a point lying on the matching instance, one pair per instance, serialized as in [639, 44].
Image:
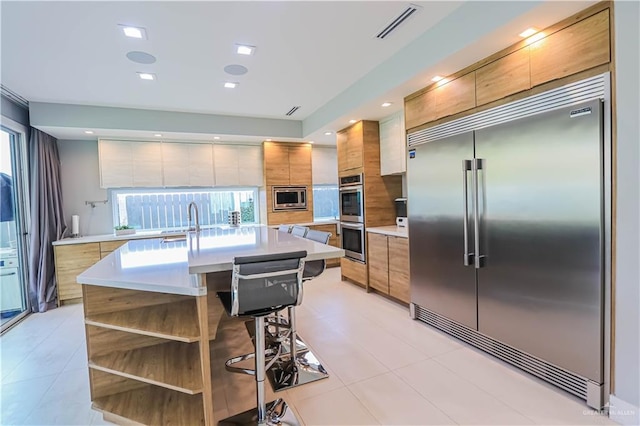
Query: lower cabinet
[73, 259]
[70, 261]
[149, 354]
[388, 263]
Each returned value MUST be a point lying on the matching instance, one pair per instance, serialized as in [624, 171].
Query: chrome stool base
[283, 374]
[306, 368]
[278, 413]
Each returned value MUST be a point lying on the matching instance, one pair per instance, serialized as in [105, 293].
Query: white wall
[81, 182]
[627, 266]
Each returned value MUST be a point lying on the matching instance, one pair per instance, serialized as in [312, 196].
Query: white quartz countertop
[113, 237]
[155, 234]
[396, 231]
[172, 267]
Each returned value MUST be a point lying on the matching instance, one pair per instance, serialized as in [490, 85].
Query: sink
[174, 239]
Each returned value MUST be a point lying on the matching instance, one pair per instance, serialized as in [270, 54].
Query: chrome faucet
[197, 222]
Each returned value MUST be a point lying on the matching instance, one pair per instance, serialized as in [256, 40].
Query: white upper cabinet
[188, 164]
[126, 164]
[393, 147]
[238, 165]
[324, 165]
[131, 164]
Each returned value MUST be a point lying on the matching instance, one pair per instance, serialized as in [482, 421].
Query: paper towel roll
[75, 225]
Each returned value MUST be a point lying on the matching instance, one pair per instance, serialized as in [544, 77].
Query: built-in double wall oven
[352, 216]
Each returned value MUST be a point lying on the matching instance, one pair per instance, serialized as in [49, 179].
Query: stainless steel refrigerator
[506, 233]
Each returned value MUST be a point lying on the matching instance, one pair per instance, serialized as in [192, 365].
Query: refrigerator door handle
[477, 164]
[466, 166]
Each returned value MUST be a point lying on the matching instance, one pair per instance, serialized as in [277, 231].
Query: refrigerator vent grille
[571, 94]
[557, 376]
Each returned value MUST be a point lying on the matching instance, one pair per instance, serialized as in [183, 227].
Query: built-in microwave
[289, 198]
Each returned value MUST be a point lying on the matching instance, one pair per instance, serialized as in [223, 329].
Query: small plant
[122, 227]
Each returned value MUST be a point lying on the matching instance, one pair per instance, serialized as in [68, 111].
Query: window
[325, 202]
[150, 209]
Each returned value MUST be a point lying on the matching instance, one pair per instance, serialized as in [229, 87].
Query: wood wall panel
[578, 47]
[503, 77]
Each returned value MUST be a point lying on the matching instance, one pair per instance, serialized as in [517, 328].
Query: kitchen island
[150, 310]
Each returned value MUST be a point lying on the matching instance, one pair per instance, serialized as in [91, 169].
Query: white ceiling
[308, 54]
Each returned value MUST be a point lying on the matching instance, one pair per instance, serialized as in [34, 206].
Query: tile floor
[384, 369]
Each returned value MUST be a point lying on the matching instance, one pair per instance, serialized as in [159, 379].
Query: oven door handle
[351, 188]
[357, 227]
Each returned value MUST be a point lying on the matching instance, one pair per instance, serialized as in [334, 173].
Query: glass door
[13, 294]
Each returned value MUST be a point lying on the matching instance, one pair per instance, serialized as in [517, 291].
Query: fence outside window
[167, 208]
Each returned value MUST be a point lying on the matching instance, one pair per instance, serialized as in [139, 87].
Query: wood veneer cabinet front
[503, 77]
[287, 164]
[388, 262]
[577, 44]
[378, 261]
[70, 261]
[576, 48]
[148, 354]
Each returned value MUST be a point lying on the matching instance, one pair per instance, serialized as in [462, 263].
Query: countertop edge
[394, 231]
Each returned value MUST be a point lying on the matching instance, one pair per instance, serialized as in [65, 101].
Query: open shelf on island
[174, 321]
[172, 365]
[152, 405]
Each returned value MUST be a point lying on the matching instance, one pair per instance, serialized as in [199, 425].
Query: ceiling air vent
[293, 110]
[396, 22]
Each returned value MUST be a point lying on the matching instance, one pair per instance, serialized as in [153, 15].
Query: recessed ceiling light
[245, 49]
[327, 133]
[216, 137]
[352, 121]
[311, 142]
[437, 78]
[528, 32]
[146, 76]
[230, 85]
[157, 135]
[386, 104]
[534, 38]
[89, 132]
[134, 32]
[268, 140]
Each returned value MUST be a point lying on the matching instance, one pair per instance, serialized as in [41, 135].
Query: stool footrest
[273, 353]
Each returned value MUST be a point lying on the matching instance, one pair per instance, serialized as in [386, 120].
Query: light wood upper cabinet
[573, 49]
[287, 164]
[276, 163]
[300, 165]
[456, 96]
[420, 109]
[187, 164]
[238, 165]
[393, 148]
[350, 144]
[503, 77]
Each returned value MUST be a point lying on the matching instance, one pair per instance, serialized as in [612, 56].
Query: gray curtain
[47, 218]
